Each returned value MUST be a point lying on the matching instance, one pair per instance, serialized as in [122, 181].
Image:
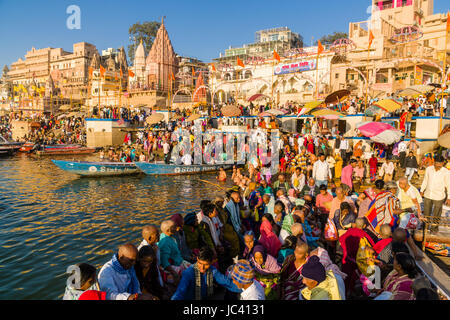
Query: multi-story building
[408, 48]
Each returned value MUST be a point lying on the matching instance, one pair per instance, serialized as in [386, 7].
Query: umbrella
[444, 140]
[337, 96]
[155, 118]
[193, 117]
[231, 111]
[257, 97]
[275, 112]
[422, 88]
[388, 105]
[408, 92]
[380, 132]
[312, 104]
[65, 107]
[373, 110]
[323, 112]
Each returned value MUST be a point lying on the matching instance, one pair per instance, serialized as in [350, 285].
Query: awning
[257, 96]
[388, 105]
[323, 112]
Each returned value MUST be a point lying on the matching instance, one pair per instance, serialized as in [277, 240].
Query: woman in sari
[398, 284]
[267, 271]
[338, 166]
[291, 280]
[373, 166]
[269, 239]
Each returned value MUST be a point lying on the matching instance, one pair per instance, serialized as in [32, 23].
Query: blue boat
[174, 169]
[97, 169]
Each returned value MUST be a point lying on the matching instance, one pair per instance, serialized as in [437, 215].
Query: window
[336, 76]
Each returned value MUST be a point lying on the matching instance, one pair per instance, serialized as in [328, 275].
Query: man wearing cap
[243, 276]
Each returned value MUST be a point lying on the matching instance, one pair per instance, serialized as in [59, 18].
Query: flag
[91, 71]
[193, 72]
[320, 48]
[240, 63]
[276, 56]
[172, 77]
[371, 37]
[102, 71]
[448, 22]
[213, 67]
[130, 74]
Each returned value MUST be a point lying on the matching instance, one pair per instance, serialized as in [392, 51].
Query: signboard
[300, 66]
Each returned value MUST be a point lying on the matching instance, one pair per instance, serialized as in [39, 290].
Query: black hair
[203, 204]
[407, 263]
[87, 272]
[345, 206]
[146, 251]
[269, 217]
[208, 208]
[289, 243]
[427, 294]
[353, 161]
[323, 187]
[296, 219]
[379, 184]
[439, 158]
[399, 247]
[206, 254]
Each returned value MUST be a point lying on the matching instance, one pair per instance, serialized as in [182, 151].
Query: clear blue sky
[197, 28]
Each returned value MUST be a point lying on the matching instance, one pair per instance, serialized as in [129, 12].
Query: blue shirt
[186, 287]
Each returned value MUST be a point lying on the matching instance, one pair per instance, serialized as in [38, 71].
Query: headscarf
[177, 219]
[269, 239]
[288, 221]
[270, 264]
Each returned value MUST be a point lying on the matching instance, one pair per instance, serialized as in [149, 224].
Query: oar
[214, 184]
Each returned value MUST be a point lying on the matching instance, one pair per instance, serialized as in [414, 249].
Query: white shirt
[186, 159]
[435, 182]
[166, 147]
[254, 292]
[321, 170]
[402, 146]
[344, 145]
[388, 168]
[300, 141]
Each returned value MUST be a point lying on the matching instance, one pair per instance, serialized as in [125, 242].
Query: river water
[51, 219]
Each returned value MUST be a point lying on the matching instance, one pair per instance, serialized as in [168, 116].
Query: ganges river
[51, 219]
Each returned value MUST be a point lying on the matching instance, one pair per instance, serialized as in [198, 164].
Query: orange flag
[172, 77]
[193, 72]
[130, 73]
[102, 71]
[448, 22]
[371, 37]
[320, 48]
[91, 71]
[276, 56]
[213, 67]
[240, 63]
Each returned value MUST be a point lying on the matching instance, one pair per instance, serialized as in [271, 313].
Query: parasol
[444, 140]
[380, 132]
[422, 88]
[275, 112]
[231, 111]
[337, 96]
[373, 110]
[193, 117]
[154, 118]
[388, 105]
[325, 112]
[408, 92]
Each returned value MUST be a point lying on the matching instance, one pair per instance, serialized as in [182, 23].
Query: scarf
[287, 223]
[233, 209]
[269, 265]
[134, 286]
[198, 283]
[269, 239]
[212, 228]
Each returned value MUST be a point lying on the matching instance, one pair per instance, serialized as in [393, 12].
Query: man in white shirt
[387, 170]
[434, 185]
[409, 197]
[321, 171]
[186, 159]
[243, 276]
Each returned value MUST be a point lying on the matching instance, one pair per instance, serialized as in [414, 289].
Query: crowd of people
[318, 230]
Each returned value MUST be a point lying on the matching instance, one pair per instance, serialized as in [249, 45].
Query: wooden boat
[97, 169]
[28, 147]
[173, 169]
[63, 152]
[8, 148]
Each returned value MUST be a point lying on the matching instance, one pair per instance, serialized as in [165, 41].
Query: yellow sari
[338, 166]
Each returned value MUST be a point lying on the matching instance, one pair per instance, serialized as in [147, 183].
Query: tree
[146, 32]
[331, 38]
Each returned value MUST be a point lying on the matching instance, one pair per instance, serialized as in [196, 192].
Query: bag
[362, 258]
[412, 222]
[330, 231]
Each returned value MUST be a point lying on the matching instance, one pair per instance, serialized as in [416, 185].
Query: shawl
[177, 219]
[134, 282]
[381, 210]
[325, 260]
[233, 209]
[269, 239]
[212, 228]
[380, 245]
[288, 221]
[270, 264]
[198, 283]
[350, 243]
[401, 287]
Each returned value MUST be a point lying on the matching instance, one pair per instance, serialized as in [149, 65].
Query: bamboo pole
[444, 81]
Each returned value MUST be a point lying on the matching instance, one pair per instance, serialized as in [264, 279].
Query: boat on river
[174, 169]
[9, 147]
[65, 151]
[28, 147]
[97, 169]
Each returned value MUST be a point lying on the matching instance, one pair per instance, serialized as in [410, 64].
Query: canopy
[275, 112]
[65, 107]
[323, 112]
[409, 92]
[388, 105]
[193, 117]
[380, 132]
[265, 114]
[258, 96]
[422, 88]
[155, 118]
[337, 96]
[373, 110]
[231, 111]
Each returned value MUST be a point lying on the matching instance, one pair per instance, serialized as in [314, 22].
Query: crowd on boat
[333, 224]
